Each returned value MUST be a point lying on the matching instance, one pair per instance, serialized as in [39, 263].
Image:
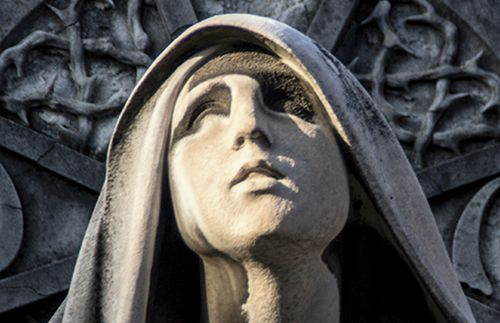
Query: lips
[260, 167]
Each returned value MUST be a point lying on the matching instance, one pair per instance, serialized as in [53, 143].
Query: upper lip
[261, 167]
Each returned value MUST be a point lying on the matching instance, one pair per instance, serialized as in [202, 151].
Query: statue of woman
[250, 178]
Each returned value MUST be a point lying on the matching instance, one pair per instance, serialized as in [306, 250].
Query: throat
[293, 289]
[301, 291]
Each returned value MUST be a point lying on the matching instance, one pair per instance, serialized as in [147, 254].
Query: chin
[283, 228]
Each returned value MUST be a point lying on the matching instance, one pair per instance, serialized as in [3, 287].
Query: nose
[250, 122]
[256, 136]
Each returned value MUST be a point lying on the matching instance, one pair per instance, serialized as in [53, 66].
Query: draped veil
[133, 266]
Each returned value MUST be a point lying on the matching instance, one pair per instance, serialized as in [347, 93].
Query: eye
[294, 103]
[216, 101]
[277, 102]
[204, 109]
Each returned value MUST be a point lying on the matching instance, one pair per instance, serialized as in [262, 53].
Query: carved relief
[296, 13]
[435, 93]
[70, 67]
[476, 243]
[466, 252]
[432, 89]
[69, 80]
[11, 220]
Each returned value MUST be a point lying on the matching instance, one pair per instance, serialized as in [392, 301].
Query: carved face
[251, 162]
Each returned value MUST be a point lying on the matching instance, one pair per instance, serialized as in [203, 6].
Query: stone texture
[51, 155]
[134, 205]
[13, 12]
[456, 172]
[69, 81]
[35, 285]
[296, 13]
[430, 73]
[330, 22]
[11, 220]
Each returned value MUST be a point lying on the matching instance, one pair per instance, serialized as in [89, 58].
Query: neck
[287, 287]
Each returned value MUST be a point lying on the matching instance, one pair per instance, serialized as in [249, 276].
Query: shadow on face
[254, 167]
[252, 164]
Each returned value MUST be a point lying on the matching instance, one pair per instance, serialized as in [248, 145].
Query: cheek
[311, 150]
[199, 166]
[200, 163]
[322, 202]
[326, 172]
[202, 155]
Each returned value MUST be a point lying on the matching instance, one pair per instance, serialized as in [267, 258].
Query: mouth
[260, 167]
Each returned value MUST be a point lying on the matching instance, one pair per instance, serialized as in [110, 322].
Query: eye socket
[216, 101]
[204, 109]
[294, 103]
[277, 102]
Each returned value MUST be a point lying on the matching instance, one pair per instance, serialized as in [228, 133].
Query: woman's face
[250, 162]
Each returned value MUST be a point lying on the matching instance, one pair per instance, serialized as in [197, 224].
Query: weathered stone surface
[35, 285]
[468, 220]
[176, 16]
[82, 73]
[466, 253]
[258, 182]
[74, 78]
[45, 207]
[11, 220]
[13, 12]
[51, 155]
[481, 16]
[484, 313]
[460, 171]
[55, 210]
[331, 21]
[432, 75]
[296, 13]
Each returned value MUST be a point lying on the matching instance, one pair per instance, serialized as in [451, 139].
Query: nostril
[238, 143]
[266, 141]
[259, 136]
[256, 134]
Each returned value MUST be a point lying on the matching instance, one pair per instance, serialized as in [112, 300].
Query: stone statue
[249, 144]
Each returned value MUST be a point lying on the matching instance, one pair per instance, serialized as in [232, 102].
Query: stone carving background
[67, 67]
[427, 81]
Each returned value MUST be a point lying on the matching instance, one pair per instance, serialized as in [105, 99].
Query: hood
[121, 264]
